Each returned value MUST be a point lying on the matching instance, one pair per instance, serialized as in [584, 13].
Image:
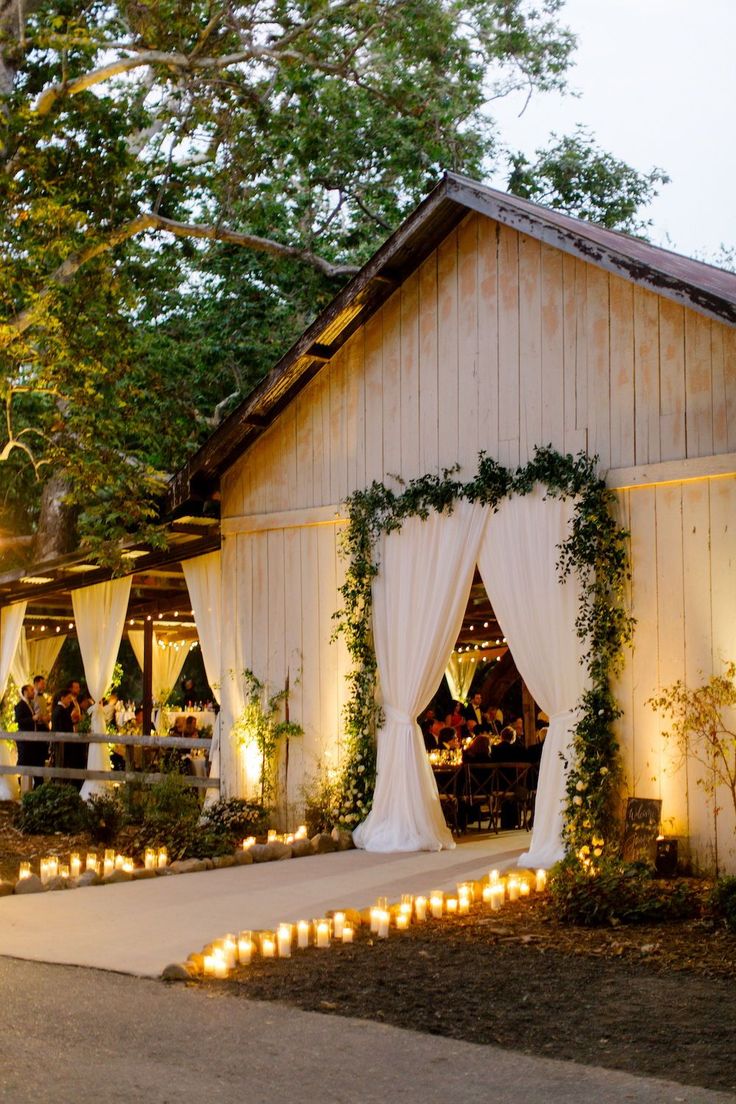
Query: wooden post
[147, 676]
[529, 714]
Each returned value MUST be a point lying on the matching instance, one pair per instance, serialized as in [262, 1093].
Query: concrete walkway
[139, 927]
[92, 1038]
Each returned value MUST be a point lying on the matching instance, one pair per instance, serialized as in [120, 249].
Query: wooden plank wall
[497, 342]
[683, 596]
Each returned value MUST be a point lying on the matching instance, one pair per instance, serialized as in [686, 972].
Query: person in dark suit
[30, 753]
[62, 720]
[509, 752]
[506, 751]
[472, 711]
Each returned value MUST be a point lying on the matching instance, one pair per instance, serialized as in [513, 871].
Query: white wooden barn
[490, 323]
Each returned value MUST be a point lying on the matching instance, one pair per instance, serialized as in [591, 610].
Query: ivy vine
[595, 550]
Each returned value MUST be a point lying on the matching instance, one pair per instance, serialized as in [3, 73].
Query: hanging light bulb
[485, 624]
[70, 625]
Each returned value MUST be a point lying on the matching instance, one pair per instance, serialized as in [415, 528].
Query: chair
[511, 797]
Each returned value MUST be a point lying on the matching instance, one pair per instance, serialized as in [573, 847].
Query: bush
[617, 892]
[723, 902]
[321, 805]
[236, 818]
[171, 820]
[105, 816]
[51, 808]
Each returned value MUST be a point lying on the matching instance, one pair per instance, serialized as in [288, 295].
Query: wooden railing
[128, 742]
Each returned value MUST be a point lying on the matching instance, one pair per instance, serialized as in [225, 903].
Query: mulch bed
[658, 1000]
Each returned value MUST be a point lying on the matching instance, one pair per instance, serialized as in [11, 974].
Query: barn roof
[712, 291]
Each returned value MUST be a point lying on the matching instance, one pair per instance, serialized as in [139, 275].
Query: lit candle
[541, 881]
[162, 857]
[289, 837]
[513, 888]
[451, 905]
[52, 867]
[284, 940]
[420, 908]
[375, 912]
[487, 894]
[338, 924]
[493, 877]
[272, 835]
[406, 909]
[407, 899]
[208, 966]
[109, 862]
[384, 919]
[119, 862]
[149, 859]
[347, 934]
[402, 921]
[230, 950]
[524, 888]
[44, 869]
[63, 870]
[268, 945]
[90, 862]
[220, 963]
[248, 842]
[301, 832]
[24, 871]
[302, 934]
[322, 928]
[463, 905]
[245, 948]
[128, 865]
[466, 889]
[75, 865]
[435, 903]
[499, 896]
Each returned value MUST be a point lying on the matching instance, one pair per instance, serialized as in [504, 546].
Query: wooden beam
[283, 519]
[672, 471]
[77, 774]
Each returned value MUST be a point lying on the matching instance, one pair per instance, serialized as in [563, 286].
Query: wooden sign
[641, 828]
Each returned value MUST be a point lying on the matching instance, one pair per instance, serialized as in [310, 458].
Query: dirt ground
[658, 1000]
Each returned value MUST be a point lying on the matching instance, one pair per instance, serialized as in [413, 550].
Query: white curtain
[11, 623]
[419, 598]
[99, 613]
[203, 575]
[35, 657]
[166, 664]
[518, 562]
[459, 674]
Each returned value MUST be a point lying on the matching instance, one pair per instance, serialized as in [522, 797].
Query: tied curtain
[419, 598]
[536, 611]
[35, 657]
[166, 665]
[11, 623]
[459, 674]
[203, 576]
[99, 613]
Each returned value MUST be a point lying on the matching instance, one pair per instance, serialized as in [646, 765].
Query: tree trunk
[55, 535]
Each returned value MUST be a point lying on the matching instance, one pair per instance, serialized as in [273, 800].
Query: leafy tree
[184, 185]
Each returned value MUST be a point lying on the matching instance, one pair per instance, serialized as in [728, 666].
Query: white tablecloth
[203, 717]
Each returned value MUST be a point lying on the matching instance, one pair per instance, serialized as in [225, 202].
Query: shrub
[236, 818]
[171, 801]
[321, 805]
[51, 808]
[171, 820]
[723, 901]
[616, 892]
[105, 816]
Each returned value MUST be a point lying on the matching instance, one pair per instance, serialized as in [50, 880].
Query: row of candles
[224, 954]
[155, 858]
[277, 837]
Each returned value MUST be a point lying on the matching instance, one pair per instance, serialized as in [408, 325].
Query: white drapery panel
[11, 623]
[518, 562]
[459, 674]
[419, 598]
[203, 576]
[99, 613]
[166, 664]
[35, 657]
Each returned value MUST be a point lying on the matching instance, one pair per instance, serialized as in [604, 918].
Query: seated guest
[190, 728]
[506, 751]
[479, 748]
[447, 737]
[518, 727]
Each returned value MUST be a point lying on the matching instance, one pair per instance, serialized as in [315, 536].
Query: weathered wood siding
[499, 343]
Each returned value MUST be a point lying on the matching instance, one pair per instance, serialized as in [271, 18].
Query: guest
[447, 737]
[479, 748]
[472, 711]
[40, 705]
[109, 706]
[426, 723]
[62, 721]
[455, 718]
[505, 751]
[188, 692]
[30, 753]
[190, 728]
[75, 687]
[518, 727]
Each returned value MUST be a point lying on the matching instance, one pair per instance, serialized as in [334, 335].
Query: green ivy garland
[595, 550]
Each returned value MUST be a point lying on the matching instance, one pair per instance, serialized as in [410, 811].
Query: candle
[301, 832]
[75, 865]
[284, 940]
[63, 870]
[487, 894]
[208, 966]
[119, 862]
[407, 899]
[162, 857]
[338, 924]
[493, 877]
[245, 948]
[524, 888]
[24, 871]
[451, 905]
[375, 911]
[463, 905]
[248, 842]
[436, 902]
[499, 895]
[52, 867]
[513, 889]
[302, 934]
[230, 949]
[541, 881]
[90, 863]
[220, 963]
[466, 889]
[384, 918]
[272, 835]
[322, 928]
[420, 908]
[128, 865]
[402, 921]
[44, 869]
[268, 945]
[347, 934]
[289, 838]
[149, 859]
[406, 910]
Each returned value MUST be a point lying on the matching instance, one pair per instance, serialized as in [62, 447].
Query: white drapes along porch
[203, 576]
[11, 624]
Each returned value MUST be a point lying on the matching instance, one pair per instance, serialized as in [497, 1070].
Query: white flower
[577, 801]
[601, 712]
[580, 786]
[604, 770]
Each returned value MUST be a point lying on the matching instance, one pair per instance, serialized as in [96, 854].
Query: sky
[657, 84]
